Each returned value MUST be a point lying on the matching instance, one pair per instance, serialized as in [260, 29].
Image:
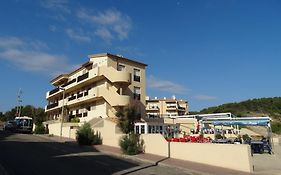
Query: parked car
[10, 126]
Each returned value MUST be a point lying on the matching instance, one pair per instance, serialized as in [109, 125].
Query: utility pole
[62, 110]
[19, 100]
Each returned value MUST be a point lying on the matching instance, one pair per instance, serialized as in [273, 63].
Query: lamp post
[62, 110]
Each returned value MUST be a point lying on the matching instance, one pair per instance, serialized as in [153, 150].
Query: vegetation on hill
[261, 107]
[255, 107]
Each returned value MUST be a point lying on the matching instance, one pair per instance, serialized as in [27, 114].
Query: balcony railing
[137, 78]
[72, 98]
[50, 106]
[68, 83]
[83, 77]
[54, 91]
[181, 108]
[79, 95]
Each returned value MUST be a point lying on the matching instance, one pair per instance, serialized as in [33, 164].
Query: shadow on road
[29, 154]
[145, 167]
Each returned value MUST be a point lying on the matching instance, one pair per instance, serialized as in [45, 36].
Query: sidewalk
[192, 167]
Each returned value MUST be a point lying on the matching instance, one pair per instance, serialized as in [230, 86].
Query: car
[10, 126]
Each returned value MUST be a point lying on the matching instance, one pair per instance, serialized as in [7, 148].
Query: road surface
[22, 154]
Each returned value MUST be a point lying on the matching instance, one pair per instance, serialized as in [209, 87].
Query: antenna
[19, 100]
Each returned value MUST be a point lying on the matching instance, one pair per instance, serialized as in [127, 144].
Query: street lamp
[62, 110]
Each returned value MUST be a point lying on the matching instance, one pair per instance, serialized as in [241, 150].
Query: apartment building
[97, 89]
[159, 108]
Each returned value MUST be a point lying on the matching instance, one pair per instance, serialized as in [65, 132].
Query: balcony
[82, 77]
[181, 108]
[54, 91]
[72, 98]
[79, 95]
[93, 75]
[113, 75]
[50, 106]
[69, 83]
[113, 98]
[152, 108]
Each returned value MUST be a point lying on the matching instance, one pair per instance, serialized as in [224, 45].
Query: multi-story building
[159, 108]
[97, 89]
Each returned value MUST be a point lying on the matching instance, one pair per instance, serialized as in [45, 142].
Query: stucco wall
[110, 133]
[232, 156]
[67, 130]
[225, 155]
[155, 144]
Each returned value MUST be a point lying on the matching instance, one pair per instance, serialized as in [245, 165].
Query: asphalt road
[22, 154]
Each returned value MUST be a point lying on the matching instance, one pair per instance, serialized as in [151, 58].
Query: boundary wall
[231, 156]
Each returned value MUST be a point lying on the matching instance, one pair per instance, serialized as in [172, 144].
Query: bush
[131, 144]
[39, 128]
[246, 137]
[276, 127]
[75, 120]
[86, 136]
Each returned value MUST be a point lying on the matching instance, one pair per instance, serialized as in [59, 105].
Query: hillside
[254, 107]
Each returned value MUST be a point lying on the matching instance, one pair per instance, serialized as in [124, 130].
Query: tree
[38, 114]
[126, 118]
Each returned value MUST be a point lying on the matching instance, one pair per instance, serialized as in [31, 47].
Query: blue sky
[208, 52]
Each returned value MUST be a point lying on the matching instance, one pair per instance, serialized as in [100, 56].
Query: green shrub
[246, 137]
[39, 128]
[75, 120]
[276, 127]
[131, 144]
[86, 136]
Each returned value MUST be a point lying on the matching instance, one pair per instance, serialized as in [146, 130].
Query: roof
[167, 100]
[115, 56]
[88, 62]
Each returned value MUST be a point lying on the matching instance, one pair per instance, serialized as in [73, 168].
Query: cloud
[78, 35]
[56, 5]
[104, 33]
[52, 28]
[205, 97]
[111, 21]
[29, 55]
[166, 86]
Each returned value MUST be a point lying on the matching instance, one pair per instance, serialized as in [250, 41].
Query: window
[121, 67]
[149, 129]
[137, 75]
[137, 93]
[142, 129]
[137, 129]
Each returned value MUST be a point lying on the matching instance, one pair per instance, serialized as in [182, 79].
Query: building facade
[160, 108]
[97, 89]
